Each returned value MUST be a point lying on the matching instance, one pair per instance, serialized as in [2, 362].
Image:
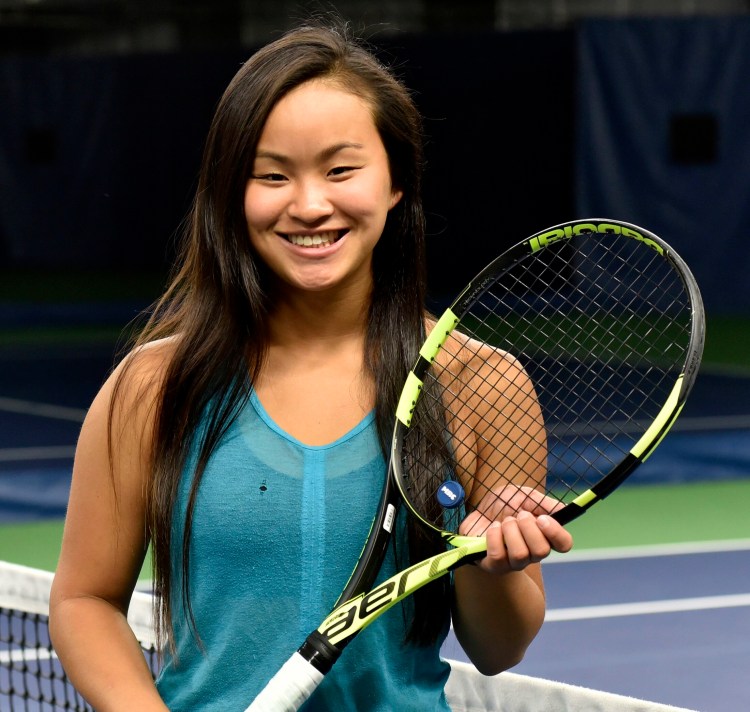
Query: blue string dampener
[450, 494]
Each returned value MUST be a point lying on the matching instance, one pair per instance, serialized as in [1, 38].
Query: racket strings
[599, 329]
[469, 427]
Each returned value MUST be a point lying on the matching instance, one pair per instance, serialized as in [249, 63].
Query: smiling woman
[245, 437]
[320, 179]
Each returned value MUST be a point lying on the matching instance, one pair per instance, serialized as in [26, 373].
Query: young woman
[252, 418]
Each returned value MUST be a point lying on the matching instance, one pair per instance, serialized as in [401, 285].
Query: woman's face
[320, 190]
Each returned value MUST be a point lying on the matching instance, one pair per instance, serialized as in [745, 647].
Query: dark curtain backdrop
[98, 155]
[663, 139]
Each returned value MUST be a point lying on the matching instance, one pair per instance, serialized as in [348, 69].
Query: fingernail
[543, 521]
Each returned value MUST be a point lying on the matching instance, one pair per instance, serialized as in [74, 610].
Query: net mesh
[31, 676]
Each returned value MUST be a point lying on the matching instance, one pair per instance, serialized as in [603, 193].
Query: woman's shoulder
[464, 353]
[141, 372]
[150, 357]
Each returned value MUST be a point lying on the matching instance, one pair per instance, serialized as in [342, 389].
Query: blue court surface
[670, 627]
[663, 622]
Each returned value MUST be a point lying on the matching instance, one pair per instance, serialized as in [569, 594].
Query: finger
[496, 550]
[538, 545]
[512, 499]
[538, 503]
[558, 536]
[473, 525]
[496, 559]
[517, 551]
[493, 505]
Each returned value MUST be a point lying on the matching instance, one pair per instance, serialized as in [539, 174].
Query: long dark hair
[216, 306]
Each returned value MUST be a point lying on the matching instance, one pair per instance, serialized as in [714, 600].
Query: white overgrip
[295, 681]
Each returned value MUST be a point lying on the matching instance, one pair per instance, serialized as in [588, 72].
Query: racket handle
[288, 689]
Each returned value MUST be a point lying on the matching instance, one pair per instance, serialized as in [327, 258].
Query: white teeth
[323, 239]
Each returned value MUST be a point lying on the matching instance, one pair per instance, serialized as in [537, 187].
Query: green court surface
[636, 515]
[639, 515]
[36, 544]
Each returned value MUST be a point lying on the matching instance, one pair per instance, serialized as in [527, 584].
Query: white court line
[648, 550]
[45, 410]
[641, 608]
[7, 657]
[24, 454]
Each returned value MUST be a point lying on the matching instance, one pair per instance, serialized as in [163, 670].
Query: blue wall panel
[663, 139]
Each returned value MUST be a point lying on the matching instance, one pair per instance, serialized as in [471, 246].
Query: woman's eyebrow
[271, 155]
[323, 155]
[333, 150]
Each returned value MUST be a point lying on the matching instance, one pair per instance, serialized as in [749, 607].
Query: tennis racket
[554, 374]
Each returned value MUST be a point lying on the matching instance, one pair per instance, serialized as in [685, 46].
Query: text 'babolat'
[565, 232]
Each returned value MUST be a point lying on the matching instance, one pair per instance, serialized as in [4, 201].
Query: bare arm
[499, 603]
[103, 548]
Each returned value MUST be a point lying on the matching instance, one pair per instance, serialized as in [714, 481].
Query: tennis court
[654, 603]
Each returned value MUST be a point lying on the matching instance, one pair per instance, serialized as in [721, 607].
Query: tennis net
[31, 677]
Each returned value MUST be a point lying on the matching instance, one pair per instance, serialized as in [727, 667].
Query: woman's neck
[304, 319]
[314, 383]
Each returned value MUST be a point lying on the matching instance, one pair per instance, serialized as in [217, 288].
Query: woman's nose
[311, 201]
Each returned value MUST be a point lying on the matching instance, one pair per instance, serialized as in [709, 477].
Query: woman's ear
[396, 195]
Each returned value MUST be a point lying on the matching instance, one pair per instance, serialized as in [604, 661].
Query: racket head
[553, 375]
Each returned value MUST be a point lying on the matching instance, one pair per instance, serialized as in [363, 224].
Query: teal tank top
[277, 528]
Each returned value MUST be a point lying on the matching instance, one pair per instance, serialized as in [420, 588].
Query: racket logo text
[566, 232]
[356, 614]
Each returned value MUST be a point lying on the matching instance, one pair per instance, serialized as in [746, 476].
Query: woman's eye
[270, 177]
[341, 170]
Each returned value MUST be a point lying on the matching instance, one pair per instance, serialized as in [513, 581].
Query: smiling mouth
[318, 240]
